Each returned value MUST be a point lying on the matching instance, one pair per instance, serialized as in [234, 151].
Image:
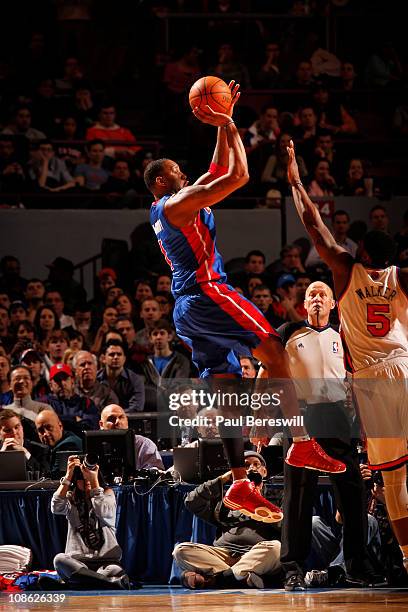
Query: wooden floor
[228, 601]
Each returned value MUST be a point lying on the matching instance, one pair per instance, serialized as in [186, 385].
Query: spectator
[323, 183]
[69, 150]
[108, 131]
[33, 361]
[143, 291]
[270, 308]
[229, 68]
[275, 170]
[72, 74]
[106, 279]
[124, 305]
[12, 169]
[383, 67]
[264, 130]
[56, 346]
[163, 364]
[303, 280]
[286, 290]
[92, 553]
[303, 76]
[5, 337]
[269, 75]
[149, 313]
[289, 262]
[348, 77]
[61, 278]
[331, 115]
[379, 218]
[244, 551]
[254, 265]
[163, 283]
[94, 173]
[87, 385]
[12, 438]
[181, 74]
[4, 299]
[75, 412]
[127, 385]
[10, 280]
[146, 452]
[45, 322]
[21, 125]
[6, 394]
[307, 129]
[166, 303]
[45, 105]
[34, 295]
[18, 312]
[249, 367]
[52, 434]
[54, 298]
[402, 243]
[120, 187]
[109, 318]
[357, 182]
[340, 228]
[48, 171]
[84, 107]
[22, 386]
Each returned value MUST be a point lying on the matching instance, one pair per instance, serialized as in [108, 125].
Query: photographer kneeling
[92, 553]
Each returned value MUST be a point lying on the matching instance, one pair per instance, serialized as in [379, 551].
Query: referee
[316, 361]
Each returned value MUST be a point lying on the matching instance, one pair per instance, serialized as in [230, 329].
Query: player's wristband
[297, 184]
[217, 169]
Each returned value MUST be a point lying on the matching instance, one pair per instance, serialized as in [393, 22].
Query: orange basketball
[210, 90]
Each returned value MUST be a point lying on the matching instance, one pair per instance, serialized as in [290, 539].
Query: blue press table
[148, 527]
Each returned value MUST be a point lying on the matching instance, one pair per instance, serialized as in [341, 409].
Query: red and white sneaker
[309, 454]
[245, 497]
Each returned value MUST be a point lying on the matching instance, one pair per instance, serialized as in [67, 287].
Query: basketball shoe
[245, 497]
[309, 454]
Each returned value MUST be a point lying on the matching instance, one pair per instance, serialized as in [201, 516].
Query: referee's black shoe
[363, 575]
[294, 582]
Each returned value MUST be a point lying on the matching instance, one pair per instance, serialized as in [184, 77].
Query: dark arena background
[91, 91]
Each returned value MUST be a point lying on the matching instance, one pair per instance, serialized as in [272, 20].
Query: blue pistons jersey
[191, 251]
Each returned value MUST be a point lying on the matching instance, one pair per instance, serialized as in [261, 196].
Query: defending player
[373, 310]
[213, 319]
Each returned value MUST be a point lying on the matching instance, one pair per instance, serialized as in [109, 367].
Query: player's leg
[242, 494]
[304, 452]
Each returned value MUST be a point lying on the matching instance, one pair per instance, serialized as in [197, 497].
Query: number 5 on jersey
[378, 323]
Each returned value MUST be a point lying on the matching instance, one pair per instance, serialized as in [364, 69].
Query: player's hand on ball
[235, 94]
[293, 170]
[207, 115]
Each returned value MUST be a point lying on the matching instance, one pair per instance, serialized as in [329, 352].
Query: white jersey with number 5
[374, 317]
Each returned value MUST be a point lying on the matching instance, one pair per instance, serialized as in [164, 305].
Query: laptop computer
[12, 466]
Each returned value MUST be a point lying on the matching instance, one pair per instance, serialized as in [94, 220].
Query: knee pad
[396, 495]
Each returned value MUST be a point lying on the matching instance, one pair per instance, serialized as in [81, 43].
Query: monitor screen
[115, 450]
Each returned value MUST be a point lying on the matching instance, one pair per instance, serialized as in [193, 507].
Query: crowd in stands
[67, 127]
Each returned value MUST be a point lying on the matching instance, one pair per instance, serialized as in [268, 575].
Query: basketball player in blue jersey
[214, 320]
[373, 308]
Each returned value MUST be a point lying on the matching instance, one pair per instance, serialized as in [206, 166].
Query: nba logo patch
[300, 345]
[335, 346]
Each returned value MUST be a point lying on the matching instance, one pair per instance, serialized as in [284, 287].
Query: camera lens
[91, 461]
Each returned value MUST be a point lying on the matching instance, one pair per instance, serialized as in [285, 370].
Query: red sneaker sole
[267, 516]
[309, 467]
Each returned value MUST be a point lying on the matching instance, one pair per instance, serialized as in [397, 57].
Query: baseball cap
[107, 272]
[61, 263]
[257, 455]
[285, 279]
[60, 368]
[17, 304]
[30, 352]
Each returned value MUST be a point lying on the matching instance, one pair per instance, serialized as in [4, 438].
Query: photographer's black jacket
[235, 531]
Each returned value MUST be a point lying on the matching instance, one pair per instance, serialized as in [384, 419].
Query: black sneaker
[364, 575]
[295, 582]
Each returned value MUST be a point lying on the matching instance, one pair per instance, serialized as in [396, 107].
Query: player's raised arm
[182, 207]
[337, 258]
[220, 160]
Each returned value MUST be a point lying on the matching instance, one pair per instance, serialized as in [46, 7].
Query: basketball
[210, 90]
